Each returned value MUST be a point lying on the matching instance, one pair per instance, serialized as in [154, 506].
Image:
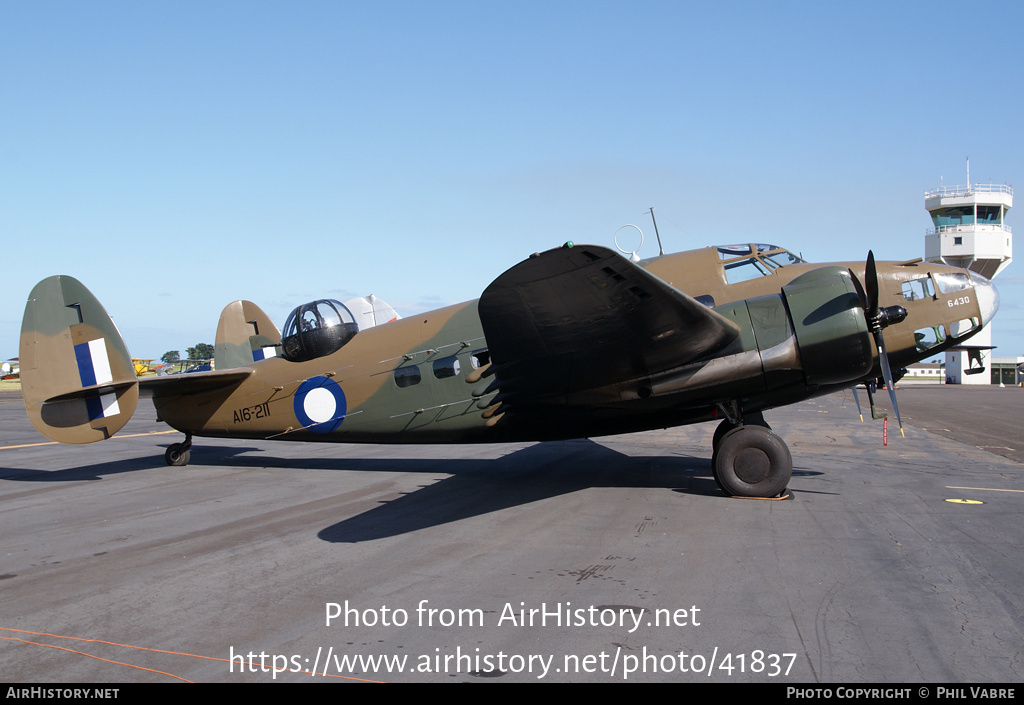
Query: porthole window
[479, 358]
[407, 376]
[446, 367]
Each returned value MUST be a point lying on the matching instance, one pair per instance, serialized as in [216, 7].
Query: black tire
[754, 419]
[751, 461]
[714, 471]
[723, 428]
[175, 456]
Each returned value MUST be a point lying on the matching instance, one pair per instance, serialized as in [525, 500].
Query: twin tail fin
[77, 376]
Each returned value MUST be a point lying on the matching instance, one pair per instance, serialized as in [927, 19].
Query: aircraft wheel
[175, 456]
[723, 428]
[754, 419]
[714, 471]
[751, 461]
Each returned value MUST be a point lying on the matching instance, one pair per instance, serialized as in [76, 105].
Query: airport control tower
[969, 230]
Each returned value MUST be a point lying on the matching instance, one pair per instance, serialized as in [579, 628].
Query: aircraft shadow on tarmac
[97, 471]
[535, 473]
[477, 486]
[474, 486]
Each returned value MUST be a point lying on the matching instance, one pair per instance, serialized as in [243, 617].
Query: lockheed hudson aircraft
[574, 342]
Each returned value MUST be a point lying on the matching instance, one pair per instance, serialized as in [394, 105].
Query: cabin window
[407, 375]
[479, 358]
[447, 367]
[917, 289]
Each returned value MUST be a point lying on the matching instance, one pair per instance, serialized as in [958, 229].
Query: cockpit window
[745, 270]
[746, 262]
[781, 259]
[949, 282]
[731, 251]
[317, 329]
[918, 289]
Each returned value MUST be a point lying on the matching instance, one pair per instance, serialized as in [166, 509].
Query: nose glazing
[988, 297]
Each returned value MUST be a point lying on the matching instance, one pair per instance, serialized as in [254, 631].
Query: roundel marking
[320, 404]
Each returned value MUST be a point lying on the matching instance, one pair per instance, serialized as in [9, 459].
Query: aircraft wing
[583, 316]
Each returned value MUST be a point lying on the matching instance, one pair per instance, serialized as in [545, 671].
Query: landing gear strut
[749, 460]
[178, 454]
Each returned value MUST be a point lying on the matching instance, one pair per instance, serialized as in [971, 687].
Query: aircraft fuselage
[411, 380]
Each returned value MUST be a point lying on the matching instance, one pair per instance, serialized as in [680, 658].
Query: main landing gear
[749, 460]
[178, 454]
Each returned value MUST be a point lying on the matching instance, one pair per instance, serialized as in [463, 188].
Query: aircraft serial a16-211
[578, 341]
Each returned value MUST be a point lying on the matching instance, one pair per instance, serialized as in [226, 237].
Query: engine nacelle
[831, 330]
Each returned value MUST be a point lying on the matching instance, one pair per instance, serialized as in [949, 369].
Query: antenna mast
[661, 250]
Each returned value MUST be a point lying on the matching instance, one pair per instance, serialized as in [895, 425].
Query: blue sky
[178, 156]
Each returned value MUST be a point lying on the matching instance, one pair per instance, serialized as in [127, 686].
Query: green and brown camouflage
[573, 342]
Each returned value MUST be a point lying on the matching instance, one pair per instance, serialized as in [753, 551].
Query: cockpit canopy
[750, 261]
[317, 329]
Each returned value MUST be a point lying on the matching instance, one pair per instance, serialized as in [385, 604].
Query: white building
[969, 230]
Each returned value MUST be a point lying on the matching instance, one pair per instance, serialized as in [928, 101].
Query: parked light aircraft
[578, 341]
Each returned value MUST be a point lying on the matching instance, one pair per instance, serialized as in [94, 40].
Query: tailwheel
[751, 461]
[178, 454]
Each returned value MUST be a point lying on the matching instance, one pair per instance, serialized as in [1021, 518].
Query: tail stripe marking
[93, 364]
[102, 406]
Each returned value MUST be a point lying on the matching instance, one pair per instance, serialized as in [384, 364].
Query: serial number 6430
[958, 301]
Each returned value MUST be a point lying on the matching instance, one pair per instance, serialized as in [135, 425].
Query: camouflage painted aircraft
[574, 342]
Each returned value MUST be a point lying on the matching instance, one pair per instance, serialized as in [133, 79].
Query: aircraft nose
[988, 297]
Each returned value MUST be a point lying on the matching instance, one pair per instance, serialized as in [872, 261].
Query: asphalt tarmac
[601, 561]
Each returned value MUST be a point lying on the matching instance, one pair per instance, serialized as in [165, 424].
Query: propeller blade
[883, 358]
[857, 400]
[871, 282]
[877, 320]
[860, 291]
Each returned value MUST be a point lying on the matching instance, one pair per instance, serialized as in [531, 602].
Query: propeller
[877, 319]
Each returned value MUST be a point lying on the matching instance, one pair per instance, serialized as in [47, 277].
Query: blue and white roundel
[320, 404]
